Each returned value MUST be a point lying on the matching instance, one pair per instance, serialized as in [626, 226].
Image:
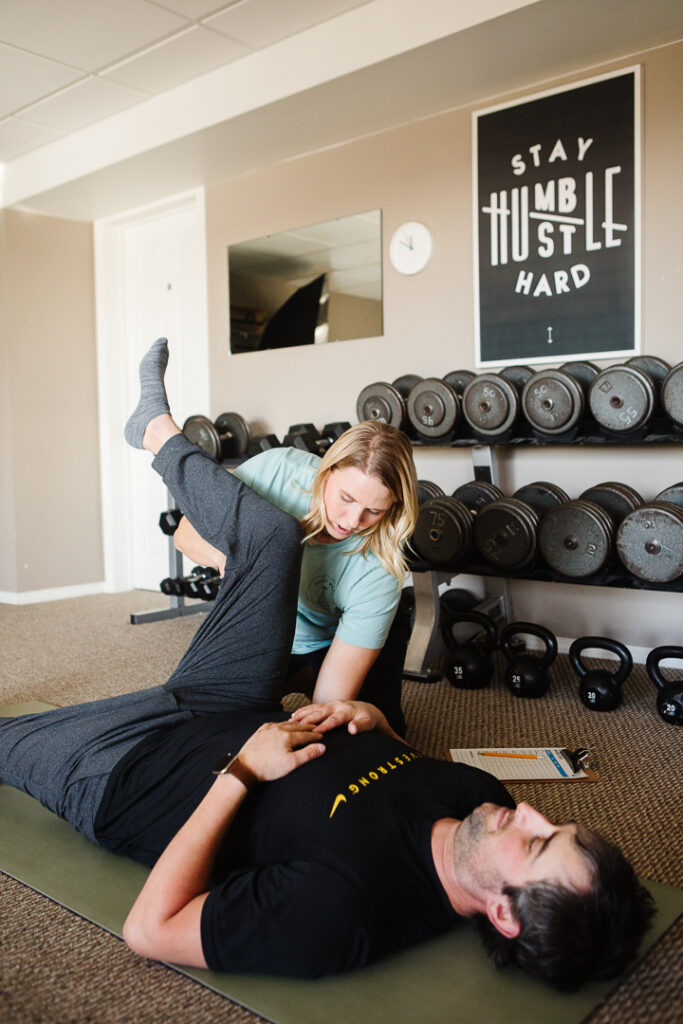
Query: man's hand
[360, 716]
[277, 748]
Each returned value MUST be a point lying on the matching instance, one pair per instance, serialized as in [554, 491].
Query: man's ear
[499, 913]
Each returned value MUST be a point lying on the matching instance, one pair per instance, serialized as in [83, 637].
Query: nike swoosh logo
[341, 799]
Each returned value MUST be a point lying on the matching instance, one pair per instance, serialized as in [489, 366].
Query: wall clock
[410, 248]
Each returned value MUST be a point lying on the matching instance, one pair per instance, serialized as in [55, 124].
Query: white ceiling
[109, 104]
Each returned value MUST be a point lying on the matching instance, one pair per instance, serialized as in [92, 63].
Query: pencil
[498, 753]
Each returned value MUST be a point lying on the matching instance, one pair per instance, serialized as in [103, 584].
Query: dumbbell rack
[425, 647]
[177, 602]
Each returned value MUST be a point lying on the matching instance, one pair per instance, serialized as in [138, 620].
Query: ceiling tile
[17, 137]
[25, 78]
[88, 34]
[82, 104]
[259, 23]
[191, 53]
[195, 9]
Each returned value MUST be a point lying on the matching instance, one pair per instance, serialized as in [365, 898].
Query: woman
[358, 508]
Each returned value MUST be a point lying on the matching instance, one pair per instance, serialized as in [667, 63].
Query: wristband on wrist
[230, 764]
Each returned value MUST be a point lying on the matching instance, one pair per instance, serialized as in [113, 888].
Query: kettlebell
[670, 696]
[527, 674]
[469, 665]
[599, 689]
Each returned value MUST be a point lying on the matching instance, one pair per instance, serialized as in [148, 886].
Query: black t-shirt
[321, 871]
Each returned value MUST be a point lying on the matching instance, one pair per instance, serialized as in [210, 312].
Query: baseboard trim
[53, 593]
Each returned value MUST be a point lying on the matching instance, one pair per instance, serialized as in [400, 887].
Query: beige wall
[423, 172]
[49, 462]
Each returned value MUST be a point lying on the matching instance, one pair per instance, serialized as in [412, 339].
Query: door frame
[112, 371]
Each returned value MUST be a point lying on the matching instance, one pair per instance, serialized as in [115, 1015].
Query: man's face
[495, 847]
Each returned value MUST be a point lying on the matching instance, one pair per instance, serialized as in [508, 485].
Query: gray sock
[153, 401]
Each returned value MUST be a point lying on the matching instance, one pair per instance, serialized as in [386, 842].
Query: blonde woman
[358, 508]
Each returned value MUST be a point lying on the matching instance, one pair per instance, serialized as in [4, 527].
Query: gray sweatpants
[237, 659]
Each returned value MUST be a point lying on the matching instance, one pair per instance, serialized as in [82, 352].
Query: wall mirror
[310, 285]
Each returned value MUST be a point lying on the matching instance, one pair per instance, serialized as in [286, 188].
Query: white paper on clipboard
[512, 764]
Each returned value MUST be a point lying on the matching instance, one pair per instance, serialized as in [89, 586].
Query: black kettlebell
[469, 665]
[599, 689]
[526, 674]
[670, 696]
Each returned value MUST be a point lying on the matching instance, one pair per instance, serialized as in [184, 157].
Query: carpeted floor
[56, 968]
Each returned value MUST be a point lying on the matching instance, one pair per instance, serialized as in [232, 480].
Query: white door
[155, 286]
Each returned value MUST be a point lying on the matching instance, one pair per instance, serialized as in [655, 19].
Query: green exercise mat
[447, 979]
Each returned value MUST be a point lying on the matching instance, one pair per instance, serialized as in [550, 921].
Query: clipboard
[531, 764]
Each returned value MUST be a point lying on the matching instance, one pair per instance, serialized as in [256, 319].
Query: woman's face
[353, 501]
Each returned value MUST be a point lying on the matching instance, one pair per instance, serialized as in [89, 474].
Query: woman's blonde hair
[383, 451]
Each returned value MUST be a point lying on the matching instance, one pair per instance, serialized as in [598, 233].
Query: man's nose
[527, 816]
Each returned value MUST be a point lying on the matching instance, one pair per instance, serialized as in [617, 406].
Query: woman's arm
[194, 547]
[343, 671]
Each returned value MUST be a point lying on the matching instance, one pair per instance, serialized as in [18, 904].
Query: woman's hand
[357, 714]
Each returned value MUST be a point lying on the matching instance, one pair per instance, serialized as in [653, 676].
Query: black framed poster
[556, 224]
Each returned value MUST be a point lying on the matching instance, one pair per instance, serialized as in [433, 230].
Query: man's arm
[343, 671]
[165, 920]
[198, 550]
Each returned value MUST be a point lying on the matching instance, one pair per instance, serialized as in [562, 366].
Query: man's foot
[153, 401]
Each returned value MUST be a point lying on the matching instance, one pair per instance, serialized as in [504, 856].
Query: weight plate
[583, 372]
[505, 533]
[653, 366]
[617, 499]
[622, 398]
[477, 493]
[433, 407]
[426, 489]
[541, 495]
[234, 433]
[490, 404]
[673, 494]
[671, 394]
[201, 431]
[443, 532]
[405, 383]
[381, 402]
[575, 539]
[517, 375]
[552, 401]
[650, 542]
[459, 379]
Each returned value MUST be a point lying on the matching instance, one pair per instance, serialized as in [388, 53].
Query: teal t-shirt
[348, 595]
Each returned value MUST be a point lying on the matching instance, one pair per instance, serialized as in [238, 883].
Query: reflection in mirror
[307, 286]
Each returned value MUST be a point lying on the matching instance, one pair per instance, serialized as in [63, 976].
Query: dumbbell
[330, 433]
[169, 521]
[458, 380]
[541, 495]
[193, 584]
[387, 402]
[649, 542]
[443, 532]
[671, 394]
[600, 689]
[477, 493]
[469, 665]
[262, 443]
[553, 401]
[670, 695]
[505, 533]
[623, 398]
[226, 438]
[427, 489]
[576, 539]
[178, 585]
[527, 675]
[301, 435]
[433, 409]
[491, 402]
[616, 498]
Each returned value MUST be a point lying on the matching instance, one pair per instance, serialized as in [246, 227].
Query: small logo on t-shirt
[375, 775]
[320, 594]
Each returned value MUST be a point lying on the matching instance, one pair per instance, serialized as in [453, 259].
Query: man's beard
[470, 837]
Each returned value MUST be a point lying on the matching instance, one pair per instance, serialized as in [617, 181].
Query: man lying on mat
[327, 842]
